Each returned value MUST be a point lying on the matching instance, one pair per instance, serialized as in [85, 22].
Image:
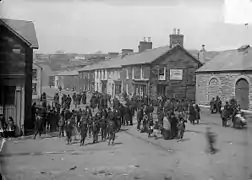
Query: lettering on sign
[176, 74]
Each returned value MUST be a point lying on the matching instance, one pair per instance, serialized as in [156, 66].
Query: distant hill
[61, 61]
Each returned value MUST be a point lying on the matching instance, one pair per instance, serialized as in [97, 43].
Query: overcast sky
[88, 26]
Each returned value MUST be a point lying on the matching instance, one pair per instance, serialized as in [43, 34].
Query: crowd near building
[171, 70]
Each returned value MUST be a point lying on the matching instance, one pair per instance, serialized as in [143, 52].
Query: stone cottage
[167, 70]
[228, 75]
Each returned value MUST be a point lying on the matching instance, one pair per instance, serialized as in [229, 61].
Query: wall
[184, 88]
[112, 76]
[38, 81]
[178, 59]
[69, 82]
[16, 80]
[86, 81]
[45, 74]
[226, 86]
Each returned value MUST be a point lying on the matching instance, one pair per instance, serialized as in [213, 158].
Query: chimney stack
[174, 31]
[145, 44]
[201, 54]
[176, 38]
[112, 54]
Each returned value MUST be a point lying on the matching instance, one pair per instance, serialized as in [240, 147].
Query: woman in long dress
[166, 127]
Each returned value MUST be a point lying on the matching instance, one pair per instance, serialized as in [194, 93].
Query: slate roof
[230, 60]
[23, 29]
[145, 57]
[68, 73]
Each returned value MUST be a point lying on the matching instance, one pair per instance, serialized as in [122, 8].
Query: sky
[87, 26]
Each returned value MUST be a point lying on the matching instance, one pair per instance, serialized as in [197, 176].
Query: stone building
[17, 41]
[228, 75]
[168, 70]
[36, 81]
[68, 80]
[86, 80]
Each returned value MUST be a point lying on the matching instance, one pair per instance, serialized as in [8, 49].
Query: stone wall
[225, 87]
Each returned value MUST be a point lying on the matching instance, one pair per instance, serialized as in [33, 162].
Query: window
[141, 72]
[127, 88]
[127, 73]
[34, 74]
[162, 73]
[88, 75]
[34, 88]
[7, 95]
[103, 74]
[133, 73]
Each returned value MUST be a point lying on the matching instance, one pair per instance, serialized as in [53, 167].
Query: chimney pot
[174, 31]
[178, 31]
[176, 38]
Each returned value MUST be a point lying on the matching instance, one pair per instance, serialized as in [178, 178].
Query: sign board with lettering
[176, 74]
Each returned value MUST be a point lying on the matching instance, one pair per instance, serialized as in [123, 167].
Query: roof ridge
[16, 19]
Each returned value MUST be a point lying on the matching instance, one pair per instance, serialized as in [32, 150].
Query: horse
[111, 131]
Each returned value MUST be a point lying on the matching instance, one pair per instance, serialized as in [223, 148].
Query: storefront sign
[176, 74]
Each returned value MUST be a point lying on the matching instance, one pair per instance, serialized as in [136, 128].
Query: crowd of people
[107, 120]
[7, 128]
[172, 114]
[229, 111]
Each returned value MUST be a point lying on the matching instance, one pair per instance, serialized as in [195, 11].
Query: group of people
[215, 105]
[229, 112]
[7, 128]
[172, 114]
[100, 100]
[106, 121]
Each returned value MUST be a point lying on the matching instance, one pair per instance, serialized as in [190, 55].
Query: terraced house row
[168, 70]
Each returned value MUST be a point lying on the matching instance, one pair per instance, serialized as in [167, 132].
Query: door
[242, 93]
[213, 89]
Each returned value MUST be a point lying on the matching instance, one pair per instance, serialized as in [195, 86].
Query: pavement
[134, 156]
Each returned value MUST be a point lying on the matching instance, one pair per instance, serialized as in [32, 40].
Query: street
[134, 156]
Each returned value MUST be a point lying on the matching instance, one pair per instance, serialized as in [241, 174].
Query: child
[61, 126]
[156, 129]
[69, 130]
[181, 128]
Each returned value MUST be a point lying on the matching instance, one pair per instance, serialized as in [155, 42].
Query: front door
[242, 93]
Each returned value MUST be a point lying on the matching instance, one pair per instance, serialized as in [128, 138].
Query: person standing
[166, 127]
[61, 126]
[38, 125]
[83, 130]
[139, 118]
[211, 140]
